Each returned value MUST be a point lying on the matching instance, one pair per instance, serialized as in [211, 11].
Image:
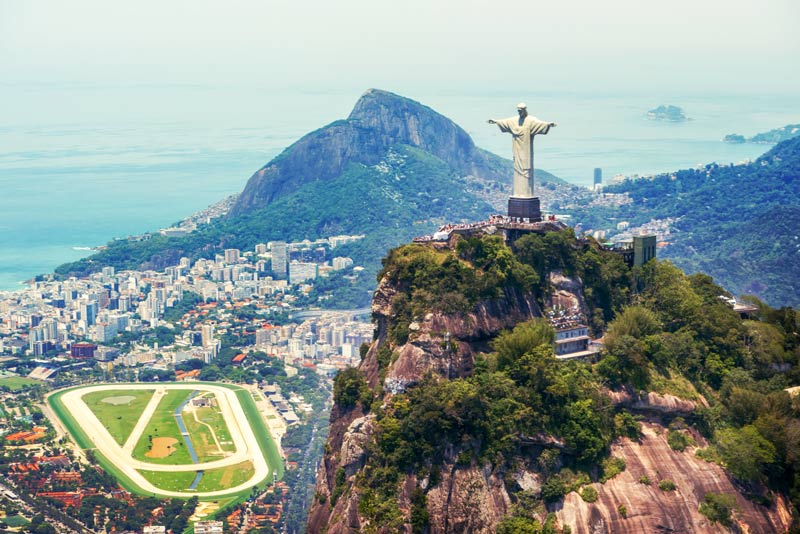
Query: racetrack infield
[249, 438]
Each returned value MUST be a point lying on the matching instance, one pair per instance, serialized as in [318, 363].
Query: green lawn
[226, 477]
[15, 521]
[202, 438]
[213, 480]
[18, 383]
[169, 480]
[163, 425]
[119, 419]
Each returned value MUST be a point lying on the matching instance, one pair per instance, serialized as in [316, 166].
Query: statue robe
[523, 132]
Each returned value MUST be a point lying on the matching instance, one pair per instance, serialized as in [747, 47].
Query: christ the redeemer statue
[523, 128]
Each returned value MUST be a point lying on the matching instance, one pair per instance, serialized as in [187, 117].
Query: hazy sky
[464, 45]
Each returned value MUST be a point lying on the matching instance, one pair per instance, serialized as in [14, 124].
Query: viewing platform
[511, 227]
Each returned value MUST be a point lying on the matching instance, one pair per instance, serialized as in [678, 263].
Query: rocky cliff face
[466, 499]
[379, 120]
[475, 496]
[443, 344]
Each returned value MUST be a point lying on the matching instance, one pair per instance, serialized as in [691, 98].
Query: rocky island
[667, 113]
[734, 139]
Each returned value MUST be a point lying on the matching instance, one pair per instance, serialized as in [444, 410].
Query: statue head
[522, 109]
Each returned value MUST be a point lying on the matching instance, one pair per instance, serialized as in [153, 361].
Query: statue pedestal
[525, 208]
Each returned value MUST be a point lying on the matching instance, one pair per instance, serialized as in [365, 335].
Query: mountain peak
[379, 120]
[375, 100]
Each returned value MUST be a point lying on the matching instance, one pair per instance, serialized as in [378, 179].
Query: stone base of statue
[525, 208]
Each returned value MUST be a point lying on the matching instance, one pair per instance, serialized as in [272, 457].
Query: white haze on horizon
[467, 46]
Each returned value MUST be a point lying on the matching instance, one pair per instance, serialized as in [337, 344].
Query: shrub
[679, 440]
[666, 485]
[420, 518]
[589, 494]
[717, 507]
[553, 489]
[745, 452]
[339, 485]
[549, 526]
[626, 425]
[709, 454]
[518, 525]
[623, 511]
[611, 467]
[644, 480]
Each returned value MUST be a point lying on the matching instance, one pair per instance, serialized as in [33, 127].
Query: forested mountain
[777, 135]
[460, 418]
[738, 223]
[393, 169]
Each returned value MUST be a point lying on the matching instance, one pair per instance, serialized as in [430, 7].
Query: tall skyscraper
[89, 312]
[598, 176]
[279, 259]
[207, 333]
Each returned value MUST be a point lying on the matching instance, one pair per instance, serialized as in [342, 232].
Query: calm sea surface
[80, 166]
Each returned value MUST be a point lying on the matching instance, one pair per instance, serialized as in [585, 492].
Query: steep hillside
[393, 169]
[460, 419]
[379, 121]
[737, 223]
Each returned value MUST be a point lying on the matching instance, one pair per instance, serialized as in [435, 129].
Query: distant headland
[774, 136]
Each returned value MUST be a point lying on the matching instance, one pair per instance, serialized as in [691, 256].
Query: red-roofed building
[26, 437]
[67, 477]
[69, 498]
[235, 519]
[59, 461]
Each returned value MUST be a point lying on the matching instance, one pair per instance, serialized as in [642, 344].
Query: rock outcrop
[446, 344]
[466, 499]
[649, 509]
[651, 401]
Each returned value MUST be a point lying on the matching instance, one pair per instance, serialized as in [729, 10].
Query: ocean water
[80, 166]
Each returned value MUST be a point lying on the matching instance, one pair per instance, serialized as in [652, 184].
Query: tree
[744, 405]
[210, 373]
[745, 452]
[349, 387]
[633, 321]
[668, 291]
[582, 432]
[510, 346]
[518, 525]
[626, 362]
